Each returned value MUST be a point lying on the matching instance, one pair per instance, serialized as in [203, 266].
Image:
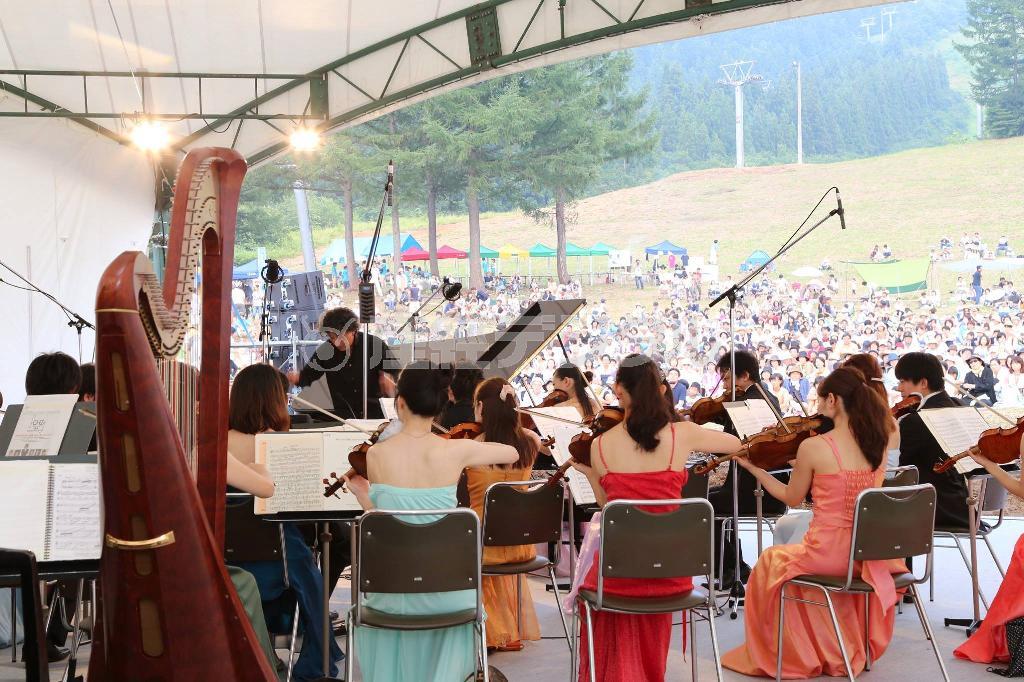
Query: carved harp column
[168, 610]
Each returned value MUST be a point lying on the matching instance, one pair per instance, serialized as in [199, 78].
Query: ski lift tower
[737, 75]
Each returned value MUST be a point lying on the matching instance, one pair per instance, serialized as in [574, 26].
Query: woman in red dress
[644, 457]
[988, 643]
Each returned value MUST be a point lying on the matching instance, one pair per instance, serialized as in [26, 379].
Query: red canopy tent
[449, 252]
[415, 253]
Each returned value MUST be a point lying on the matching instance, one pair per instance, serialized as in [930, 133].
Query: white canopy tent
[77, 75]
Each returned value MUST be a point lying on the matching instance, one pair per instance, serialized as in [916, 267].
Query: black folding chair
[638, 544]
[16, 562]
[888, 523]
[395, 556]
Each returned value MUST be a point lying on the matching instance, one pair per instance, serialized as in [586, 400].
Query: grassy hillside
[908, 199]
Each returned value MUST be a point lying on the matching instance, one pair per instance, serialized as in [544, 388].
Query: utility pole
[887, 12]
[866, 24]
[799, 116]
[737, 75]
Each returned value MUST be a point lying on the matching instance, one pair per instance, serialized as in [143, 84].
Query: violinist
[747, 374]
[495, 406]
[643, 457]
[988, 643]
[413, 470]
[570, 379]
[465, 378]
[922, 373]
[836, 466]
[872, 371]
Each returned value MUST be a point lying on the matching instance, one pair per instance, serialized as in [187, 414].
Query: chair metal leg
[693, 643]
[867, 631]
[558, 603]
[714, 640]
[992, 551]
[14, 624]
[590, 641]
[483, 651]
[574, 659]
[779, 640]
[350, 647]
[839, 633]
[291, 642]
[928, 632]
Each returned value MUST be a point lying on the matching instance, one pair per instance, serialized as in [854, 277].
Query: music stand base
[969, 623]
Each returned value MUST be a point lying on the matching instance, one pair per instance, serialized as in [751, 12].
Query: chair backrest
[697, 485]
[636, 543]
[246, 537]
[398, 557]
[516, 515]
[994, 499]
[898, 477]
[893, 523]
[23, 564]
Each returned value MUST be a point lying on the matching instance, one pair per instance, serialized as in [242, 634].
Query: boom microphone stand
[731, 294]
[367, 299]
[449, 290]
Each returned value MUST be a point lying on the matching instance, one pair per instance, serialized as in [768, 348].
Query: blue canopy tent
[250, 270]
[754, 261]
[666, 247]
[361, 246]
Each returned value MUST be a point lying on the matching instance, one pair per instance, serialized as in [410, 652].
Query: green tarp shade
[574, 250]
[601, 249]
[538, 250]
[488, 253]
[898, 276]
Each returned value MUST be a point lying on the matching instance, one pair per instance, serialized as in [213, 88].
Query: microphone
[271, 273]
[842, 213]
[390, 186]
[451, 290]
[367, 303]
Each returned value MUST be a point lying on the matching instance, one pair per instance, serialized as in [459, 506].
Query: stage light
[305, 139]
[150, 136]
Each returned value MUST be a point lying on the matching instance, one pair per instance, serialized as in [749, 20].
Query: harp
[168, 610]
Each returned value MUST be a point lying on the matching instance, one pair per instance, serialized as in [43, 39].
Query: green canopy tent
[897, 276]
[538, 250]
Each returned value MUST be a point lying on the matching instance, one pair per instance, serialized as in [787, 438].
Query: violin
[579, 446]
[553, 398]
[704, 410]
[773, 447]
[357, 459]
[1001, 446]
[907, 405]
[475, 429]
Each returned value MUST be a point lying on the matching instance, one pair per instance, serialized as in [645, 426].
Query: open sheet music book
[579, 486]
[52, 510]
[42, 425]
[750, 416]
[298, 461]
[956, 429]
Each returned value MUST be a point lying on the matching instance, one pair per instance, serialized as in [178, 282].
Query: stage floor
[909, 655]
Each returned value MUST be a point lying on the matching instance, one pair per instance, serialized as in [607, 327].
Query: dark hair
[579, 387]
[465, 378]
[88, 386]
[53, 374]
[648, 412]
[339, 320]
[868, 365]
[918, 366]
[258, 401]
[423, 386]
[501, 421]
[666, 390]
[868, 414]
[746, 363]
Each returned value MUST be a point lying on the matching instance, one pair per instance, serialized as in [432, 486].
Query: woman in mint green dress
[416, 470]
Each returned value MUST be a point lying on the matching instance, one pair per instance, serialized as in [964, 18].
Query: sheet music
[579, 485]
[295, 461]
[547, 426]
[337, 445]
[750, 417]
[956, 429]
[75, 528]
[387, 405]
[23, 505]
[41, 427]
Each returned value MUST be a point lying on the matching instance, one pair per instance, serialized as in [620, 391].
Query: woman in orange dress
[643, 458]
[988, 643]
[835, 467]
[495, 406]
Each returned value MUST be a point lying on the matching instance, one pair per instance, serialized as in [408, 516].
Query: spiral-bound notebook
[52, 510]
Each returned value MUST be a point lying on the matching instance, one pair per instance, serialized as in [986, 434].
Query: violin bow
[582, 372]
[771, 406]
[306, 403]
[542, 415]
[974, 401]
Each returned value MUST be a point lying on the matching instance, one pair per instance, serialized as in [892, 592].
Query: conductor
[340, 360]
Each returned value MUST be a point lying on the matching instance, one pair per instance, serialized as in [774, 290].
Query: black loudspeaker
[367, 304]
[308, 291]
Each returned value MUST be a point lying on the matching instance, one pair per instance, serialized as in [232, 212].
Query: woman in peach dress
[495, 406]
[835, 467]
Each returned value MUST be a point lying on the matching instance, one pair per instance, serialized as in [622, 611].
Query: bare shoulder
[814, 450]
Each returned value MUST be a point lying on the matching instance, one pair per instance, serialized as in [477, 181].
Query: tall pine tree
[995, 51]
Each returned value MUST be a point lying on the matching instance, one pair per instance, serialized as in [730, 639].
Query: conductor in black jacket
[747, 373]
[922, 373]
